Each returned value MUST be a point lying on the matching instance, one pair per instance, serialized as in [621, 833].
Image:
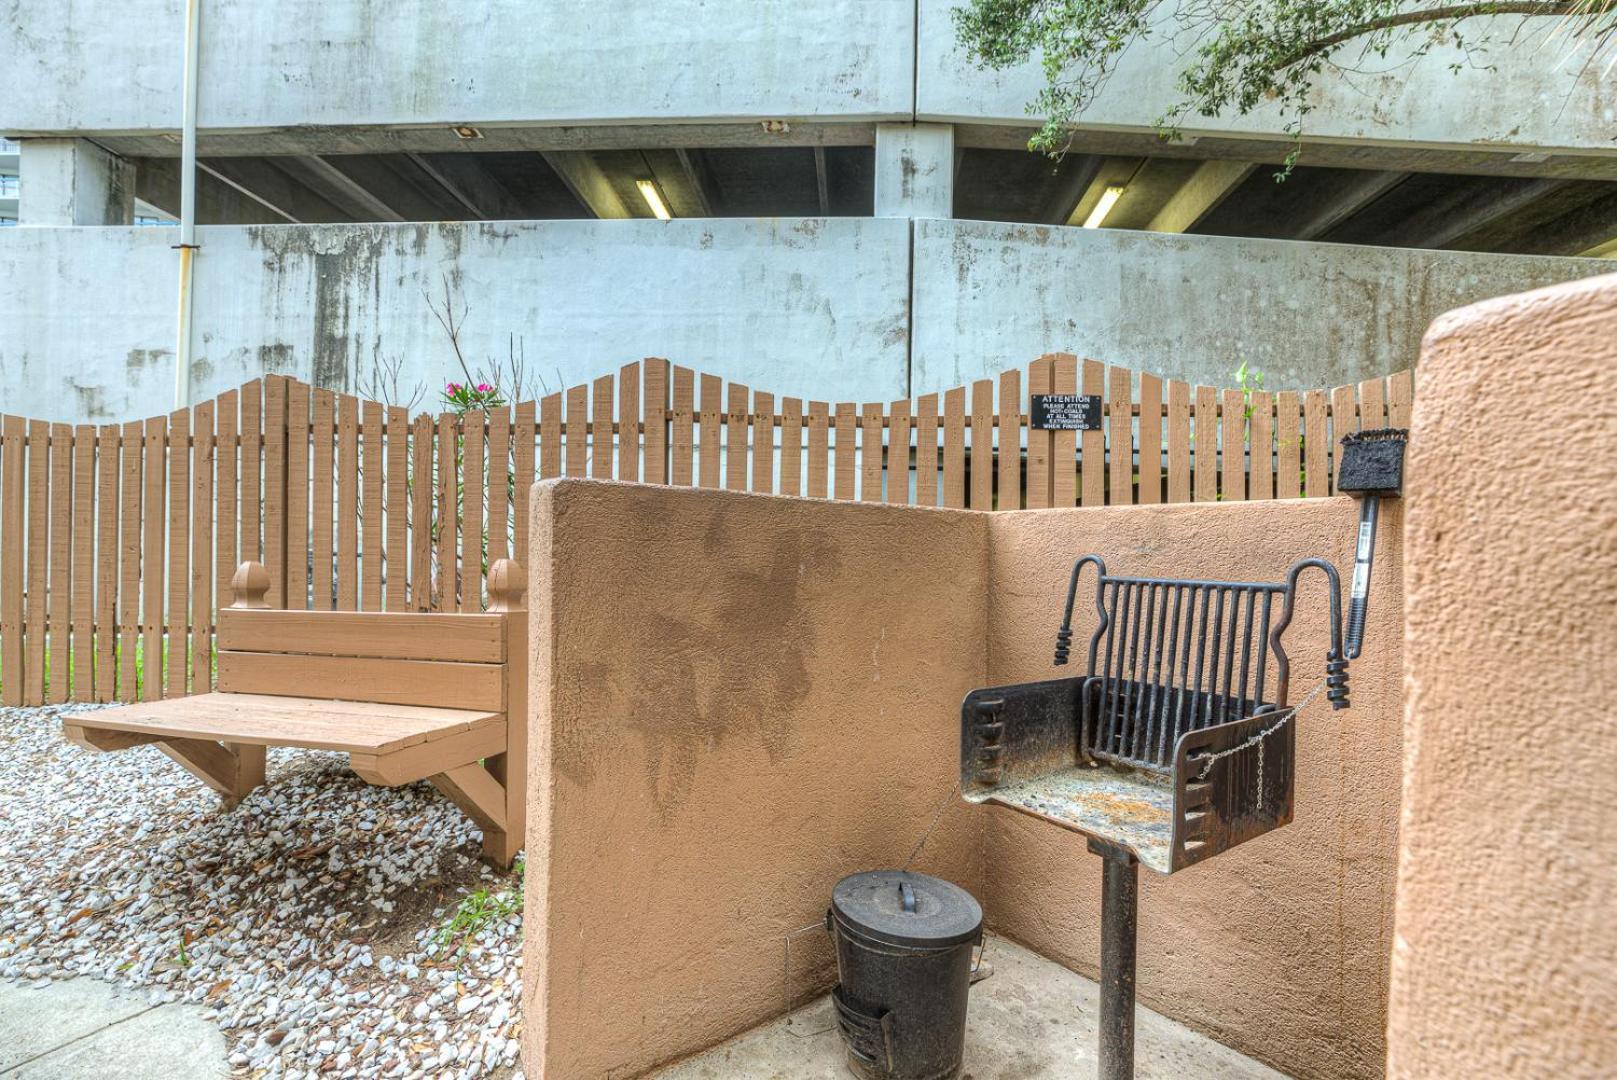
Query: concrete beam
[1469, 208]
[1588, 230]
[1327, 214]
[1208, 186]
[218, 202]
[588, 183]
[915, 166]
[340, 189]
[73, 182]
[1078, 172]
[820, 184]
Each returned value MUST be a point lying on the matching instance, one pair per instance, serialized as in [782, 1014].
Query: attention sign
[1065, 412]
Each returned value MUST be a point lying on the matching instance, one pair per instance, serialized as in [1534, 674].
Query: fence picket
[37, 561]
[421, 445]
[108, 472]
[522, 466]
[59, 602]
[151, 568]
[1233, 439]
[576, 429]
[1040, 379]
[926, 450]
[1009, 495]
[1400, 398]
[472, 429]
[446, 588]
[709, 417]
[847, 422]
[83, 604]
[275, 486]
[655, 403]
[348, 501]
[550, 449]
[1204, 438]
[736, 423]
[981, 461]
[13, 432]
[1178, 441]
[1260, 466]
[629, 433]
[819, 448]
[898, 453]
[954, 448]
[1372, 404]
[1344, 419]
[601, 442]
[322, 447]
[177, 638]
[870, 452]
[372, 544]
[1288, 446]
[252, 473]
[684, 434]
[1093, 447]
[202, 503]
[763, 442]
[226, 453]
[396, 562]
[1119, 402]
[129, 553]
[500, 483]
[300, 570]
[1150, 438]
[791, 446]
[1316, 445]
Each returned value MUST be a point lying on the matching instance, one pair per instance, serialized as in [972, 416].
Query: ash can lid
[897, 907]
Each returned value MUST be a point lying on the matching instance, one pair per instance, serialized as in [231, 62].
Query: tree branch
[1448, 13]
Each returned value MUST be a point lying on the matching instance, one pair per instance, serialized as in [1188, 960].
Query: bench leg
[483, 799]
[231, 769]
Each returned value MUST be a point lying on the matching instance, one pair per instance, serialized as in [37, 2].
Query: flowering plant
[464, 397]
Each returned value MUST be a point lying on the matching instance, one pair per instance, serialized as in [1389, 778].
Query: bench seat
[438, 691]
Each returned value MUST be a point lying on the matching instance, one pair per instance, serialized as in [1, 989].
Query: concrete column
[74, 182]
[915, 170]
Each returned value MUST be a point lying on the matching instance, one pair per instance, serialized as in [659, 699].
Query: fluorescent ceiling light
[1103, 206]
[654, 199]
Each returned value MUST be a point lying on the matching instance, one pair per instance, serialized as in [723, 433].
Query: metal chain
[1257, 740]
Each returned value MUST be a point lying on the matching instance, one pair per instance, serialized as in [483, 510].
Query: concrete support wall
[1279, 947]
[73, 182]
[914, 170]
[1529, 91]
[809, 306]
[737, 700]
[1504, 958]
[990, 295]
[815, 308]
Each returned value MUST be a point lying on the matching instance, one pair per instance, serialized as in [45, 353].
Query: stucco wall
[834, 309]
[1278, 947]
[1307, 315]
[1505, 962]
[737, 700]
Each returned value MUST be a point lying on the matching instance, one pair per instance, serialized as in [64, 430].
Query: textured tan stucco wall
[1505, 963]
[1278, 947]
[737, 700]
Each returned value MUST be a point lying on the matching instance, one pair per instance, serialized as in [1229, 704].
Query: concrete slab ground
[1032, 1019]
[84, 1029]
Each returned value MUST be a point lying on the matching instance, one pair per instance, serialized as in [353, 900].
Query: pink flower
[483, 388]
[453, 388]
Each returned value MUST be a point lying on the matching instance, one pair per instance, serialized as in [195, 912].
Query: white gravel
[307, 921]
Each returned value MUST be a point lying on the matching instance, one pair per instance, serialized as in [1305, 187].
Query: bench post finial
[251, 585]
[506, 585]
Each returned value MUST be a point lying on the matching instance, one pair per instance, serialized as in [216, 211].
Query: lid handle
[908, 895]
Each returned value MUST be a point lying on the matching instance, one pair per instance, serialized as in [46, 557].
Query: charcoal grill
[1175, 746]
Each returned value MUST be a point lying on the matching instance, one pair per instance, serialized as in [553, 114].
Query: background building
[852, 212]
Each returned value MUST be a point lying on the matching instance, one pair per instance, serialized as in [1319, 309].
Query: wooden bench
[407, 696]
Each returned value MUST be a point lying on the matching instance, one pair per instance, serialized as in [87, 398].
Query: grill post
[1120, 901]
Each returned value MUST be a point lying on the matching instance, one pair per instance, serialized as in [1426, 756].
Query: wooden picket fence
[117, 542]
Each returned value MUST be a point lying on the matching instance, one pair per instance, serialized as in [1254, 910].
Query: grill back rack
[1174, 747]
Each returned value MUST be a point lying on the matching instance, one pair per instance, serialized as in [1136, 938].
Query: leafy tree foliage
[1239, 54]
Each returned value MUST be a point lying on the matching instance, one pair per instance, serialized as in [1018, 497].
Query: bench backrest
[443, 660]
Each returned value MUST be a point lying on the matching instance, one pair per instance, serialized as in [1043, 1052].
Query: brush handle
[1359, 597]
